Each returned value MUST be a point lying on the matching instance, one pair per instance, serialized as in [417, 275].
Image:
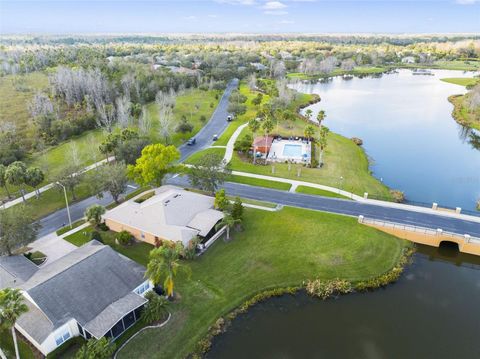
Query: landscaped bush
[94, 235]
[184, 126]
[156, 308]
[191, 249]
[325, 289]
[103, 227]
[398, 196]
[125, 238]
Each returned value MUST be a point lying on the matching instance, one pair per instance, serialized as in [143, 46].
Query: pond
[407, 129]
[431, 312]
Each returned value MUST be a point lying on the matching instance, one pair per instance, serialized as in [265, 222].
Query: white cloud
[213, 16]
[273, 5]
[191, 17]
[466, 2]
[276, 12]
[286, 22]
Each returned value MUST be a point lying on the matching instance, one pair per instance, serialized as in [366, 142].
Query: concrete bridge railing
[424, 235]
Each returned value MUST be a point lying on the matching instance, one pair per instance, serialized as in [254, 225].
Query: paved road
[347, 207]
[59, 219]
[215, 126]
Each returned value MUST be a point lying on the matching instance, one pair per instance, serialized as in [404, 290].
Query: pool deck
[277, 151]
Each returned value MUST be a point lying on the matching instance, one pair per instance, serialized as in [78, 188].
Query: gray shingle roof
[113, 313]
[35, 323]
[82, 284]
[15, 270]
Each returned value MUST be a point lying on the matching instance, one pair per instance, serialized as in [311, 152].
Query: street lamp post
[66, 201]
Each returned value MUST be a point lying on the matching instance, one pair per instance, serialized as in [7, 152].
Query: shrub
[237, 209]
[398, 196]
[156, 308]
[191, 249]
[125, 238]
[478, 204]
[96, 349]
[184, 126]
[103, 227]
[94, 214]
[243, 144]
[326, 289]
[221, 201]
[203, 119]
[96, 235]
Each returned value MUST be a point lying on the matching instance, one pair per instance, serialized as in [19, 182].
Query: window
[80, 329]
[142, 235]
[61, 338]
[143, 288]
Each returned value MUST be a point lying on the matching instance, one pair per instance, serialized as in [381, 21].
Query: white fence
[422, 230]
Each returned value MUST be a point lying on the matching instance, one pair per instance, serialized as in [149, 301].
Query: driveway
[52, 246]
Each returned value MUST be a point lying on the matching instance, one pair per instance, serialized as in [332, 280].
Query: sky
[240, 16]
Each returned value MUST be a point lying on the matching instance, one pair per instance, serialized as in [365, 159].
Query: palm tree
[308, 113]
[309, 132]
[12, 306]
[228, 221]
[254, 126]
[320, 117]
[267, 126]
[322, 143]
[164, 264]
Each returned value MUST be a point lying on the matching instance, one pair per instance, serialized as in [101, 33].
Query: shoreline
[458, 107]
[222, 324]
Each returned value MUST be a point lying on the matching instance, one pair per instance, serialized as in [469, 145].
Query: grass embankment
[462, 112]
[276, 250]
[462, 81]
[318, 192]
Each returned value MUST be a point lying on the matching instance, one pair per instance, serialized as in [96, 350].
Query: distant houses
[171, 214]
[92, 292]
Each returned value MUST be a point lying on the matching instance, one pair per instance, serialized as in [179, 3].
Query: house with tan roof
[172, 214]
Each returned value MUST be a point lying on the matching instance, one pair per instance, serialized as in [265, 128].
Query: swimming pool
[292, 150]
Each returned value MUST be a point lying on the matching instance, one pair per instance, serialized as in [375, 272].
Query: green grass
[462, 112]
[462, 81]
[342, 159]
[318, 192]
[68, 228]
[276, 249]
[259, 182]
[255, 202]
[195, 158]
[192, 104]
[138, 251]
[16, 93]
[359, 70]
[6, 343]
[247, 116]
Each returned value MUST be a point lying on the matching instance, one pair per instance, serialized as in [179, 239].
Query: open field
[276, 249]
[195, 158]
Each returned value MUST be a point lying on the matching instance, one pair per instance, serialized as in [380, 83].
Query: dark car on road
[215, 137]
[191, 141]
[229, 118]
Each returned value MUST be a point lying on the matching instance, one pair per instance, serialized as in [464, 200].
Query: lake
[408, 132]
[431, 312]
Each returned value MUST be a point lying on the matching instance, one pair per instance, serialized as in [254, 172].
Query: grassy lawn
[192, 104]
[318, 192]
[462, 81]
[342, 159]
[6, 343]
[359, 70]
[195, 158]
[67, 228]
[276, 249]
[259, 182]
[255, 202]
[137, 251]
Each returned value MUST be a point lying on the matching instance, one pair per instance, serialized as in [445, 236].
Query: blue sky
[252, 16]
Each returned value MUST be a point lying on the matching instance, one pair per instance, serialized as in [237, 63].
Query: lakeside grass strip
[318, 192]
